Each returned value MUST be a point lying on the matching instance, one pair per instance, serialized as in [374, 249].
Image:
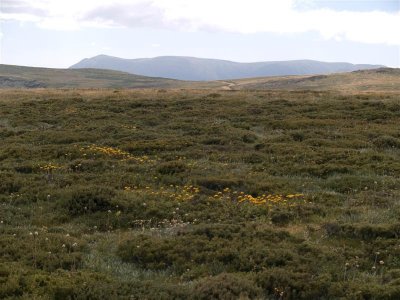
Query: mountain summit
[192, 68]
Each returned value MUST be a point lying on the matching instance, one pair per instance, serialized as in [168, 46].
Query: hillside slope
[376, 80]
[192, 68]
[31, 77]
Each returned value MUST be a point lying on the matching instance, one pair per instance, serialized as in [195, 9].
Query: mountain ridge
[207, 69]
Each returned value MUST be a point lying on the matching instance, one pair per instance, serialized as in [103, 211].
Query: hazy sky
[59, 33]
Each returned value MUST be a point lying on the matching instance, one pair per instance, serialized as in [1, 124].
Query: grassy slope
[138, 194]
[380, 80]
[86, 78]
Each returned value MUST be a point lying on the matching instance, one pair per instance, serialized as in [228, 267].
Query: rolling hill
[31, 77]
[192, 68]
[374, 80]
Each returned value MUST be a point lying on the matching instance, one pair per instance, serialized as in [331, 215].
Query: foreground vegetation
[156, 194]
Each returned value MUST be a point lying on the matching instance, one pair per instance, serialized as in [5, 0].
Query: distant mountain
[191, 68]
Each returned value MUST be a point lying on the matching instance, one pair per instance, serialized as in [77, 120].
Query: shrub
[9, 183]
[89, 200]
[282, 284]
[209, 246]
[281, 217]
[226, 286]
[171, 167]
[249, 138]
[386, 142]
[298, 136]
[218, 184]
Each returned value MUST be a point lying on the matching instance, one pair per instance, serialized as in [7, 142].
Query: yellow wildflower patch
[188, 192]
[49, 167]
[113, 152]
[173, 192]
[270, 199]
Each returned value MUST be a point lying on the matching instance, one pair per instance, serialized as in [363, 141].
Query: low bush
[82, 200]
[226, 286]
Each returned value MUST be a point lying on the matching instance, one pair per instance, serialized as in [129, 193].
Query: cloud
[245, 17]
[135, 14]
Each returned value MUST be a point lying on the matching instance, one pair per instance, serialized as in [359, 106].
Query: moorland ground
[177, 194]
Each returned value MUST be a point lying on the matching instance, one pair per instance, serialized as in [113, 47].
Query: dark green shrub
[155, 146]
[215, 141]
[253, 158]
[332, 229]
[43, 250]
[281, 217]
[90, 199]
[209, 246]
[349, 183]
[25, 169]
[281, 284]
[249, 138]
[89, 165]
[386, 142]
[214, 95]
[259, 147]
[171, 167]
[218, 184]
[298, 136]
[226, 286]
[9, 183]
[217, 231]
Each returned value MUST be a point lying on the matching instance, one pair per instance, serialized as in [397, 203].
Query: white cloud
[251, 16]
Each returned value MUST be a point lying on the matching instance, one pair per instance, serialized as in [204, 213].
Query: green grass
[153, 194]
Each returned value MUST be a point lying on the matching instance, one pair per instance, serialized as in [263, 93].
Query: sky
[59, 33]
